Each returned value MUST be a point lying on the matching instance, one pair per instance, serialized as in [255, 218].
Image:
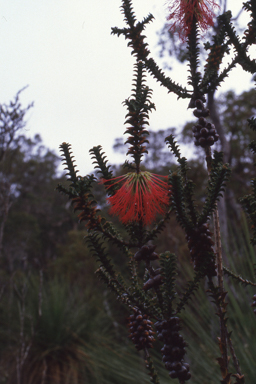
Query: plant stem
[235, 359]
[216, 224]
[150, 366]
[222, 307]
[218, 252]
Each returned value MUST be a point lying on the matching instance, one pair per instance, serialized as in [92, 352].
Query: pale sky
[79, 74]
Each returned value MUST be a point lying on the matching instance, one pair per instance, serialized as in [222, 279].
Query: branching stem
[234, 357]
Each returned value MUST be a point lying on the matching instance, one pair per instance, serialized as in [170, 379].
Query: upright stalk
[222, 305]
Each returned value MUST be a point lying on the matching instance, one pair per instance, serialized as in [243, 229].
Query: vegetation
[61, 325]
[152, 294]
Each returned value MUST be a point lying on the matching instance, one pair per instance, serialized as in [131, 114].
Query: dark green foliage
[184, 194]
[137, 295]
[219, 175]
[79, 185]
[141, 94]
[139, 105]
[170, 140]
[192, 287]
[241, 48]
[252, 125]
[182, 190]
[164, 80]
[249, 201]
[136, 234]
[249, 204]
[98, 249]
[250, 6]
[151, 235]
[174, 146]
[193, 55]
[80, 191]
[113, 284]
[238, 278]
[133, 33]
[169, 272]
[68, 161]
[140, 48]
[217, 159]
[185, 189]
[212, 83]
[217, 50]
[211, 79]
[189, 197]
[178, 201]
[111, 233]
[128, 12]
[129, 295]
[182, 197]
[66, 191]
[250, 33]
[101, 162]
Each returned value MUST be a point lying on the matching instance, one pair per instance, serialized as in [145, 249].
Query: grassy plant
[201, 324]
[67, 339]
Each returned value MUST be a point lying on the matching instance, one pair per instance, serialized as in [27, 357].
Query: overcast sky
[79, 74]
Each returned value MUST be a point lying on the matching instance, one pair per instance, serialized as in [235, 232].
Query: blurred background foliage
[58, 324]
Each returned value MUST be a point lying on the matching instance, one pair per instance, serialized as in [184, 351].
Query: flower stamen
[183, 12]
[141, 196]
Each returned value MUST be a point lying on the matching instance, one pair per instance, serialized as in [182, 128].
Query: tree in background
[11, 122]
[44, 319]
[28, 206]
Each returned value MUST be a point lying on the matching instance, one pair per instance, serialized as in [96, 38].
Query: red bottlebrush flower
[140, 197]
[182, 13]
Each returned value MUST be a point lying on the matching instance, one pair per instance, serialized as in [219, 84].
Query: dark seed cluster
[254, 304]
[173, 350]
[146, 253]
[201, 246]
[141, 332]
[155, 280]
[204, 132]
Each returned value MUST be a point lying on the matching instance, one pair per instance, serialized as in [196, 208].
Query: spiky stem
[234, 357]
[218, 252]
[149, 365]
[223, 328]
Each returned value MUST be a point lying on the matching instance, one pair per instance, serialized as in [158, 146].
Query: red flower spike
[182, 13]
[140, 197]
